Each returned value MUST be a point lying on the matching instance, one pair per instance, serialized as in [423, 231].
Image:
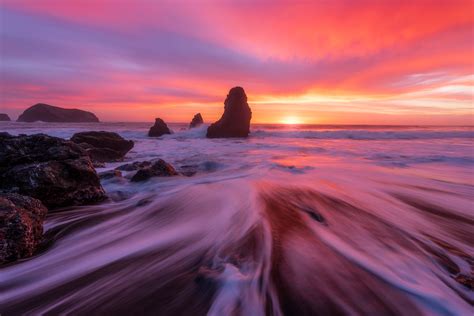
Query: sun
[291, 120]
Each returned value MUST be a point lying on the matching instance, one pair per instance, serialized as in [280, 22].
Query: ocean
[310, 219]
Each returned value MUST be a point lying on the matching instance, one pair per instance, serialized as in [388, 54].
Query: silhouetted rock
[134, 166]
[48, 113]
[235, 122]
[197, 120]
[21, 226]
[160, 128]
[4, 117]
[55, 171]
[159, 168]
[103, 146]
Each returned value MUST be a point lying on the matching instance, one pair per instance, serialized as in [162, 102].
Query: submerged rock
[21, 226]
[109, 174]
[103, 146]
[197, 120]
[55, 171]
[4, 117]
[235, 122]
[48, 113]
[160, 128]
[159, 168]
[134, 166]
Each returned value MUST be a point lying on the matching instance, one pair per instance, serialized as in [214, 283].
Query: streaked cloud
[323, 61]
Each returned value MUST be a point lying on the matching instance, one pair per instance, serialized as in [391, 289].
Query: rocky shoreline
[41, 173]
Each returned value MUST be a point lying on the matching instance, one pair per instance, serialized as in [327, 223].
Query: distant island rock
[4, 117]
[48, 113]
[160, 128]
[235, 122]
[197, 120]
[103, 146]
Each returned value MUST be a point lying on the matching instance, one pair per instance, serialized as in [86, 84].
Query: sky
[314, 62]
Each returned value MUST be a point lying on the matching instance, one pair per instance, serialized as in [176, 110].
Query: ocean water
[294, 220]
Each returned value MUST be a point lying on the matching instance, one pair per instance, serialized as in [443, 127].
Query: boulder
[53, 170]
[48, 113]
[160, 128]
[103, 146]
[4, 117]
[21, 226]
[134, 166]
[159, 168]
[235, 122]
[197, 120]
[109, 174]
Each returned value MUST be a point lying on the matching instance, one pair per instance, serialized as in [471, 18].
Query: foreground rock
[55, 171]
[160, 128]
[235, 122]
[103, 146]
[159, 168]
[48, 113]
[21, 226]
[197, 121]
[4, 117]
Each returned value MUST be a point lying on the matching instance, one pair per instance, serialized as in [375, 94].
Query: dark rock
[4, 117]
[109, 174]
[134, 166]
[98, 164]
[5, 135]
[21, 226]
[466, 280]
[159, 168]
[188, 170]
[197, 120]
[103, 146]
[48, 113]
[235, 122]
[160, 128]
[55, 171]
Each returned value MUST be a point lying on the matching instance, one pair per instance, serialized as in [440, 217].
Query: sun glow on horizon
[291, 120]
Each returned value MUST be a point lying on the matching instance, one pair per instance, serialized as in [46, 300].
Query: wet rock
[197, 120]
[134, 166]
[188, 170]
[21, 226]
[103, 146]
[109, 174]
[160, 128]
[5, 135]
[98, 164]
[235, 122]
[466, 280]
[48, 113]
[4, 117]
[159, 168]
[55, 171]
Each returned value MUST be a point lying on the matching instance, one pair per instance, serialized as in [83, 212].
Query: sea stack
[4, 117]
[235, 122]
[160, 128]
[48, 113]
[197, 121]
